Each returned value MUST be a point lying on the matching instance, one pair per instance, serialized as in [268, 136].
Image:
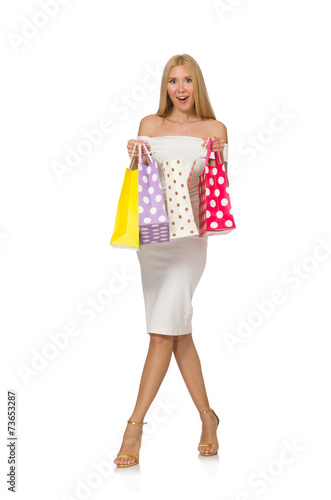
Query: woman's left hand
[220, 142]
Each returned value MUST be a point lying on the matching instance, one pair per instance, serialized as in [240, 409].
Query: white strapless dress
[170, 271]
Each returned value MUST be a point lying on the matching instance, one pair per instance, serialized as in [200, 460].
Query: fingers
[132, 142]
[220, 142]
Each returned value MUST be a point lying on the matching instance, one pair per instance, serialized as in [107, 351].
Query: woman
[170, 271]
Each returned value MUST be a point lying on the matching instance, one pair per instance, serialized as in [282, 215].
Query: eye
[174, 79]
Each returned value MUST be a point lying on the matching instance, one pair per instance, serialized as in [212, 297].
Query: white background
[260, 60]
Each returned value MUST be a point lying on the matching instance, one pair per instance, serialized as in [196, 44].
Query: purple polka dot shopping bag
[153, 218]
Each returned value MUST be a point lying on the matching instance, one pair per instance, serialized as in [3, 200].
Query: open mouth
[182, 99]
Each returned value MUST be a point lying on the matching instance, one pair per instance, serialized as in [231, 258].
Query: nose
[181, 86]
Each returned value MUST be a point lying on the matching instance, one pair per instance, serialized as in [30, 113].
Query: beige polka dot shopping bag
[180, 212]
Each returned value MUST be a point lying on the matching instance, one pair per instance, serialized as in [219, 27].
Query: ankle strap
[137, 423]
[206, 411]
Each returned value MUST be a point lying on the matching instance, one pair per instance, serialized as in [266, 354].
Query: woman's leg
[190, 367]
[156, 366]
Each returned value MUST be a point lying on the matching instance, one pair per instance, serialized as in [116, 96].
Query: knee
[160, 339]
[182, 340]
[186, 337]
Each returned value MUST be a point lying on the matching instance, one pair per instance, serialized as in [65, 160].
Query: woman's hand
[131, 144]
[220, 141]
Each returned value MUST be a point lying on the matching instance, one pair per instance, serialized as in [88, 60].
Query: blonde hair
[202, 104]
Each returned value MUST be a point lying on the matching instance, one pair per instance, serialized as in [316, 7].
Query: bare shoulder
[147, 125]
[218, 129]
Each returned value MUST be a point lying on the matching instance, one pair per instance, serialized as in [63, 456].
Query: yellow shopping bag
[126, 228]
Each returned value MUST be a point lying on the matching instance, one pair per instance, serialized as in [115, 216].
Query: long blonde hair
[202, 104]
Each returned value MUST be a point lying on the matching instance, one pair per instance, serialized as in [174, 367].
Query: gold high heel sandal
[123, 455]
[209, 445]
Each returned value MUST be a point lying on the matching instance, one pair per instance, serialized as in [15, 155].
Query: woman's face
[180, 85]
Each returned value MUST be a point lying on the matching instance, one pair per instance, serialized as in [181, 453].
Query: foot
[208, 434]
[130, 444]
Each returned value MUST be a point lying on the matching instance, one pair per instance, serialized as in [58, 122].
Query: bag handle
[130, 166]
[202, 149]
[155, 149]
[209, 151]
[190, 175]
[145, 154]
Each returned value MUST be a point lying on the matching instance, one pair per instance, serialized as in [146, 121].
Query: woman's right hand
[130, 146]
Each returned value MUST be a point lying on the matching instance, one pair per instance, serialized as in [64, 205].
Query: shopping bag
[153, 219]
[179, 207]
[215, 212]
[126, 228]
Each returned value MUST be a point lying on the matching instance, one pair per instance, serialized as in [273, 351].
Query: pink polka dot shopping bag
[153, 218]
[215, 212]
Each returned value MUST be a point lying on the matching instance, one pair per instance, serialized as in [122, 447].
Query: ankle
[137, 418]
[133, 432]
[205, 413]
[208, 417]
